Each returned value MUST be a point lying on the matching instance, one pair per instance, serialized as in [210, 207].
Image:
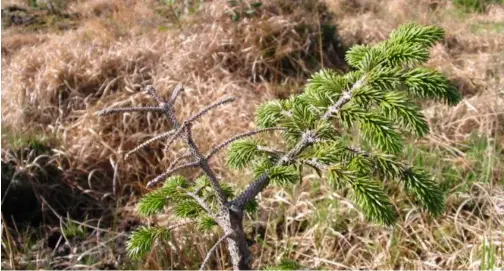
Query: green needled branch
[309, 138]
[368, 98]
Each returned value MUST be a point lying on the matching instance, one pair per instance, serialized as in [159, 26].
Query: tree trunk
[237, 242]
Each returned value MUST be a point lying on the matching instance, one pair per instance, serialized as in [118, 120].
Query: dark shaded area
[326, 47]
[286, 54]
[15, 15]
[36, 19]
[19, 202]
[34, 189]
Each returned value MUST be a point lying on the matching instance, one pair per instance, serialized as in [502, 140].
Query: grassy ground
[59, 68]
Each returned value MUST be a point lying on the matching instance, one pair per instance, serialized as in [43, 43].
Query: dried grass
[100, 64]
[56, 82]
[340, 238]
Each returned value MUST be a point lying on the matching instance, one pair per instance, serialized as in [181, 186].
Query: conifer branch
[176, 92]
[203, 163]
[169, 172]
[357, 150]
[178, 159]
[109, 111]
[286, 113]
[345, 98]
[202, 203]
[213, 249]
[373, 97]
[270, 150]
[384, 79]
[199, 190]
[258, 185]
[145, 143]
[208, 108]
[238, 137]
[416, 182]
[315, 164]
[152, 91]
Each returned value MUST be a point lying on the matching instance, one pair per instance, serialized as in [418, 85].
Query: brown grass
[53, 83]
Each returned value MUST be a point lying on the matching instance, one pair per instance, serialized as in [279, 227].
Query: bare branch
[152, 91]
[209, 254]
[238, 137]
[176, 92]
[158, 137]
[187, 136]
[316, 164]
[203, 163]
[250, 192]
[178, 159]
[202, 203]
[169, 172]
[347, 95]
[180, 224]
[109, 111]
[175, 136]
[210, 107]
[270, 150]
[358, 151]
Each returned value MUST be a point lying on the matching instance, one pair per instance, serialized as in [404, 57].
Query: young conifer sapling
[376, 99]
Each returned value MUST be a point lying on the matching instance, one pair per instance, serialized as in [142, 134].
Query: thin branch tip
[171, 171]
[110, 111]
[210, 107]
[153, 92]
[221, 146]
[179, 88]
[147, 142]
[202, 203]
[214, 248]
[150, 88]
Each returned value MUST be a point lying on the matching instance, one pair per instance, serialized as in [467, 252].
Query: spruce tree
[376, 99]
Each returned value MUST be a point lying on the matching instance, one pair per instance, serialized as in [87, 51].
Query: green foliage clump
[377, 99]
[242, 152]
[176, 192]
[142, 240]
